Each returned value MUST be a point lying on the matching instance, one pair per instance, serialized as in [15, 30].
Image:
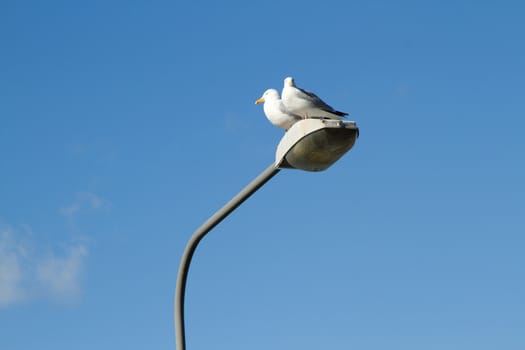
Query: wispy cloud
[401, 89]
[59, 275]
[84, 201]
[26, 273]
[11, 274]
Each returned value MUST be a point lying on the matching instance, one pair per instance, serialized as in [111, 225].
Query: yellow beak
[261, 100]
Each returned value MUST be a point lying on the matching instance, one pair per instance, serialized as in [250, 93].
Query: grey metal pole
[213, 221]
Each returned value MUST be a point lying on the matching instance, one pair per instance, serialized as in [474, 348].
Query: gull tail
[337, 113]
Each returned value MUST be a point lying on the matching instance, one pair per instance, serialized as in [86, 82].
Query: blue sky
[126, 124]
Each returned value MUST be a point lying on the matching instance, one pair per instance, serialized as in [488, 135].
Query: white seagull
[275, 111]
[306, 104]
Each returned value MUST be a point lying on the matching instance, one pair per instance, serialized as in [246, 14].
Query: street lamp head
[315, 144]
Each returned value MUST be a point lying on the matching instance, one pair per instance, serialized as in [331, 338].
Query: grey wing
[315, 100]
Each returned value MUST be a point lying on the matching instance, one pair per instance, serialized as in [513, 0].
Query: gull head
[270, 94]
[289, 82]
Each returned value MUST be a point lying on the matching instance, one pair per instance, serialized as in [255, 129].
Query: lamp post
[311, 145]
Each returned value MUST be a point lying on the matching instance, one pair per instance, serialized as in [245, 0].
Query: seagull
[306, 104]
[275, 111]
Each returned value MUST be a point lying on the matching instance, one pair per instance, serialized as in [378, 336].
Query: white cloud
[28, 271]
[27, 274]
[60, 275]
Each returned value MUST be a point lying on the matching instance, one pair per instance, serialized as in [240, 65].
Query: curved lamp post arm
[311, 145]
[213, 221]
